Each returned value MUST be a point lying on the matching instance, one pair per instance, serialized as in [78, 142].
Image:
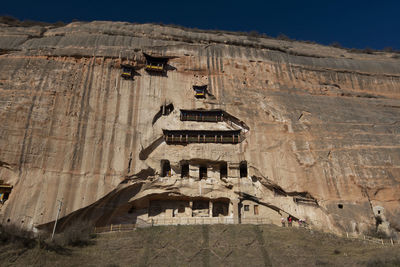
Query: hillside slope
[216, 245]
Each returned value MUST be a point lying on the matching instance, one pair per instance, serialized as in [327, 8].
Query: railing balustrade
[216, 220]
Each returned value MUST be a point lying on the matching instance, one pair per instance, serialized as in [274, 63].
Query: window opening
[243, 169]
[246, 208]
[200, 91]
[127, 71]
[340, 206]
[184, 169]
[181, 208]
[223, 170]
[203, 172]
[165, 168]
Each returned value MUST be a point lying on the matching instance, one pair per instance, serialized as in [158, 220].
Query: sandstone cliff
[320, 125]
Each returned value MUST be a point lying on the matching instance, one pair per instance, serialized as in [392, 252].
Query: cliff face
[319, 124]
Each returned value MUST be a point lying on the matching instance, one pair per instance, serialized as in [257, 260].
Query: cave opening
[184, 170]
[200, 208]
[223, 172]
[378, 221]
[203, 172]
[220, 208]
[166, 109]
[243, 169]
[165, 168]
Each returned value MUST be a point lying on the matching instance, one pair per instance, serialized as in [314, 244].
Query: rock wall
[323, 122]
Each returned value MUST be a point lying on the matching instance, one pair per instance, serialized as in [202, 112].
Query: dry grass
[215, 245]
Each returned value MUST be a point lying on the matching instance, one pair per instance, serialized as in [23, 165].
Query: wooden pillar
[210, 208]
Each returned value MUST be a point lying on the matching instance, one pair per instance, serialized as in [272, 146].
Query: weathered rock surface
[323, 122]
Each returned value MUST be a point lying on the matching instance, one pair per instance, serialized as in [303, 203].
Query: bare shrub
[355, 50]
[336, 44]
[368, 50]
[384, 261]
[254, 34]
[283, 37]
[78, 234]
[9, 20]
[14, 234]
[375, 232]
[388, 49]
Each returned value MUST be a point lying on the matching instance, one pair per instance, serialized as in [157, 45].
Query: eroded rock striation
[282, 129]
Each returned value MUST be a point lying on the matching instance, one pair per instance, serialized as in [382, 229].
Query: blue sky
[358, 24]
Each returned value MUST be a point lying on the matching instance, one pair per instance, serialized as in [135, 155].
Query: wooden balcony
[202, 136]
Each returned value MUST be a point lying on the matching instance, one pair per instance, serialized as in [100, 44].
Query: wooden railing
[201, 138]
[115, 228]
[375, 240]
[154, 67]
[192, 220]
[121, 227]
[221, 220]
[201, 118]
[181, 221]
[256, 220]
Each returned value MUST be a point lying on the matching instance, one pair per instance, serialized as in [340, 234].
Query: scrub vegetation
[200, 245]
